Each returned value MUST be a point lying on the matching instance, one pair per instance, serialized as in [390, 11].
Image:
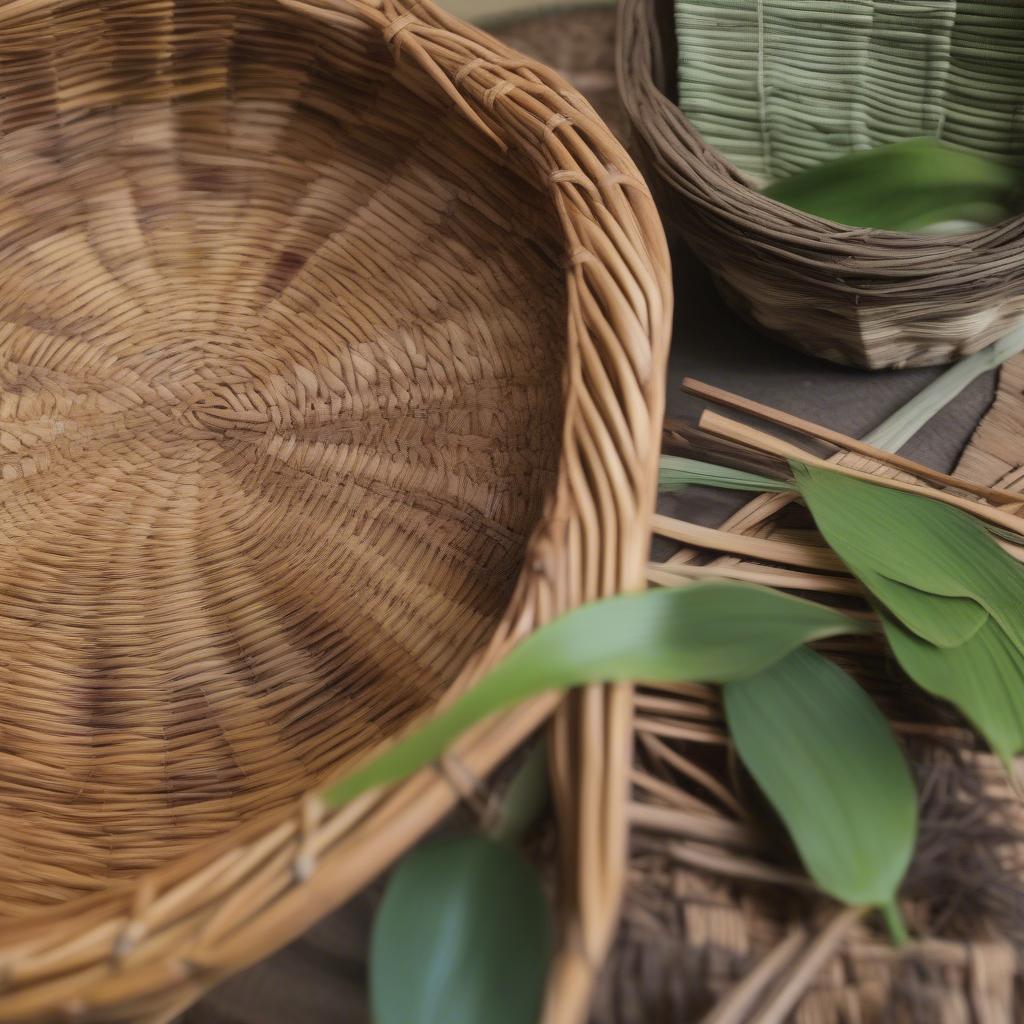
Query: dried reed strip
[673, 574]
[783, 552]
[666, 756]
[763, 442]
[843, 441]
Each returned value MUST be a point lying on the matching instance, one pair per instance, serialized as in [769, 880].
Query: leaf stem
[523, 800]
[895, 923]
[899, 428]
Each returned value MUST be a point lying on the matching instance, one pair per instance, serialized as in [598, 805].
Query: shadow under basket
[331, 365]
[872, 299]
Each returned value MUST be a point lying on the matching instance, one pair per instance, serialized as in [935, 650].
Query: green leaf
[713, 631]
[463, 935]
[905, 186]
[983, 677]
[827, 760]
[954, 618]
[675, 473]
[924, 544]
[943, 621]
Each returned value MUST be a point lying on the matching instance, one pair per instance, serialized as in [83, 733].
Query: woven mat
[995, 454]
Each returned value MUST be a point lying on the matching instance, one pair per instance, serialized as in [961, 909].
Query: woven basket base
[280, 396]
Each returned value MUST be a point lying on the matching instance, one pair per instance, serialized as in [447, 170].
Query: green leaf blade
[984, 678]
[676, 473]
[952, 597]
[712, 631]
[911, 539]
[940, 620]
[908, 185]
[463, 935]
[826, 758]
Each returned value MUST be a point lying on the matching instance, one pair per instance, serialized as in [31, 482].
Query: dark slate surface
[715, 345]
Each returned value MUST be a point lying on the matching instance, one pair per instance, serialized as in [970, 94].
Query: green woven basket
[727, 95]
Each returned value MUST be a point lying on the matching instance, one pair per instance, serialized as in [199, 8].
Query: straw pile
[721, 924]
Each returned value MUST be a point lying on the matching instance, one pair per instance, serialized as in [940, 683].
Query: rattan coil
[866, 298]
[331, 364]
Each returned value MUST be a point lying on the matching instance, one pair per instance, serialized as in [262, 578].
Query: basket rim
[641, 83]
[143, 945]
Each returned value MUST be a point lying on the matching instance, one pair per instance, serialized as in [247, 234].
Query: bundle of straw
[721, 924]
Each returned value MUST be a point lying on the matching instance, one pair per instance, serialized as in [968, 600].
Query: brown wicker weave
[868, 298]
[310, 314]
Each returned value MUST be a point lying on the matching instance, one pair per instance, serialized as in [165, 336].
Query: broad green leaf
[924, 544]
[908, 185]
[943, 621]
[463, 936]
[675, 473]
[983, 677]
[713, 631]
[825, 757]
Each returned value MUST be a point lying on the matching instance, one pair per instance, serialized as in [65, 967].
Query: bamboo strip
[842, 441]
[772, 551]
[760, 441]
[675, 573]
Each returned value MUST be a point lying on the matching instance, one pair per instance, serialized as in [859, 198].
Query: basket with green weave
[727, 96]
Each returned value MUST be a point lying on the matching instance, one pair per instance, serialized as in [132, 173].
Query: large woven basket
[332, 364]
[868, 298]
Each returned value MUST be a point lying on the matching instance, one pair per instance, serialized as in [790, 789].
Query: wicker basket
[310, 314]
[867, 298]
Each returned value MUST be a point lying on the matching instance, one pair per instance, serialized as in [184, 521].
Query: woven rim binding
[868, 298]
[145, 949]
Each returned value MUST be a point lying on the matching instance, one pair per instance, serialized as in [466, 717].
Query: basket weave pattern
[311, 314]
[872, 299]
[780, 88]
